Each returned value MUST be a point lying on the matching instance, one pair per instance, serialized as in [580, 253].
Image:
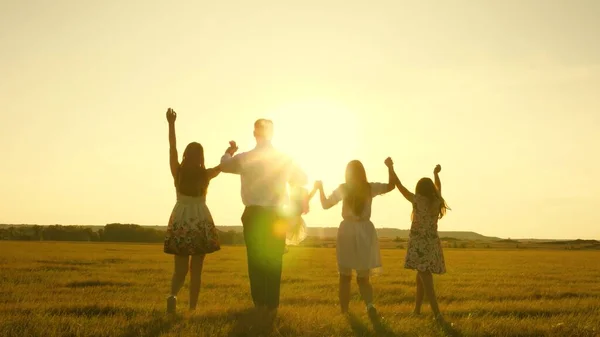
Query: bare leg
[195, 279]
[366, 292]
[181, 269]
[427, 279]
[366, 289]
[420, 295]
[345, 281]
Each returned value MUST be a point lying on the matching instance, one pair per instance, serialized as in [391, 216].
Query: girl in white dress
[357, 245]
[191, 233]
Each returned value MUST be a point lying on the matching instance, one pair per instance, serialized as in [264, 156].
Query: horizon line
[395, 228]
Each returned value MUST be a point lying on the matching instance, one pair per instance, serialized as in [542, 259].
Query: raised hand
[437, 169]
[389, 162]
[232, 149]
[171, 116]
[318, 185]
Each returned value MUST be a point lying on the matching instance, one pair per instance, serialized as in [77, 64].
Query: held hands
[232, 149]
[171, 116]
[318, 185]
[389, 162]
[437, 169]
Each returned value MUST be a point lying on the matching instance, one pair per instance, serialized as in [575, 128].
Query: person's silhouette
[264, 172]
[191, 232]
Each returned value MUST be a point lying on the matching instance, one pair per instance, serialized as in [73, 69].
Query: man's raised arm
[229, 162]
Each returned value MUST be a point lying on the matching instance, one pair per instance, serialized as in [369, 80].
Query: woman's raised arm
[438, 182]
[173, 156]
[405, 192]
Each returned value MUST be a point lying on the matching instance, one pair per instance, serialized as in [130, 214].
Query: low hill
[331, 232]
[572, 242]
[507, 241]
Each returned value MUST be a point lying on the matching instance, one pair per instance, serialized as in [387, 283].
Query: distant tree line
[114, 232]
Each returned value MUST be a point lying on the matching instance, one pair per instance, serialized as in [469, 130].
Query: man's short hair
[263, 128]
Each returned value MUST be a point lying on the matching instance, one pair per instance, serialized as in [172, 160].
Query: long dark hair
[357, 187]
[191, 176]
[426, 187]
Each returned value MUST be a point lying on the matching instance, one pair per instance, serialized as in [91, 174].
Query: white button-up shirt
[264, 172]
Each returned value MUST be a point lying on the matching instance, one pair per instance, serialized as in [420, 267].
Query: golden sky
[503, 94]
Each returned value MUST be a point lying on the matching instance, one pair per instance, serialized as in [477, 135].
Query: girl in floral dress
[357, 245]
[424, 253]
[191, 232]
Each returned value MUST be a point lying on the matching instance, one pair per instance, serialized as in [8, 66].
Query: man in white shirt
[265, 173]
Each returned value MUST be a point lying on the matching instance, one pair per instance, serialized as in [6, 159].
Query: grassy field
[82, 289]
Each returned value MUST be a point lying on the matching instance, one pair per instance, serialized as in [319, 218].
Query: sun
[321, 136]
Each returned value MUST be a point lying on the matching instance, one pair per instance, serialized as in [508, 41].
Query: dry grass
[81, 289]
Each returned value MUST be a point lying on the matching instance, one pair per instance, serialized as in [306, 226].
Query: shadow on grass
[113, 260]
[96, 283]
[155, 326]
[17, 311]
[146, 271]
[448, 330]
[522, 314]
[53, 268]
[357, 326]
[246, 322]
[449, 298]
[92, 310]
[295, 280]
[68, 263]
[298, 301]
[381, 328]
[250, 323]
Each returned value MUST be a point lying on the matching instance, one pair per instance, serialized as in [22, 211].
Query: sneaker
[171, 304]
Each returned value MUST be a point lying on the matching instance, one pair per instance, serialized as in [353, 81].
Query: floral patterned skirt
[191, 229]
[424, 252]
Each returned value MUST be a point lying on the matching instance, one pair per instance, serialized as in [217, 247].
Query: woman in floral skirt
[191, 233]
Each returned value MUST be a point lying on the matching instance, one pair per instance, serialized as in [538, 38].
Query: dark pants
[264, 233]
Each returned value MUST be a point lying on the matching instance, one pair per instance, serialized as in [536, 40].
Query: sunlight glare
[322, 136]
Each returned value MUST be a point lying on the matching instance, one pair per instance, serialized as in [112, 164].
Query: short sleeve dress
[357, 245]
[424, 251]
